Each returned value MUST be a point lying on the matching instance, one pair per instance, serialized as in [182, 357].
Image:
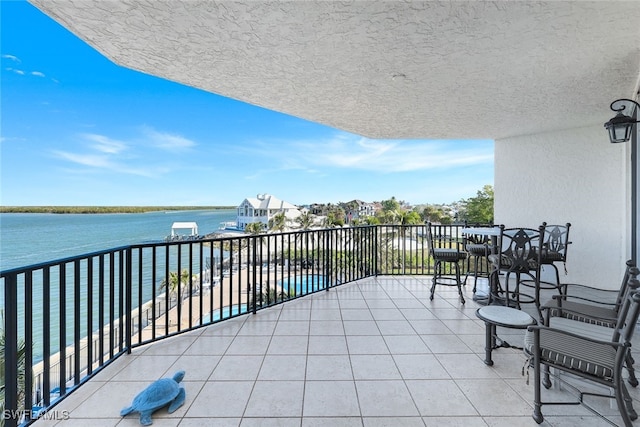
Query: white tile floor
[372, 353]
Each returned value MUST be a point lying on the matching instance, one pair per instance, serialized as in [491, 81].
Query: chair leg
[628, 402]
[537, 396]
[546, 381]
[621, 399]
[475, 273]
[489, 343]
[458, 282]
[633, 381]
[436, 273]
[467, 271]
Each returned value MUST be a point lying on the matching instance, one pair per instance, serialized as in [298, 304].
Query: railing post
[76, 322]
[10, 414]
[254, 293]
[375, 250]
[28, 349]
[128, 303]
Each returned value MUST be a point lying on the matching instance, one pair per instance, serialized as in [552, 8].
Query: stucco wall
[574, 176]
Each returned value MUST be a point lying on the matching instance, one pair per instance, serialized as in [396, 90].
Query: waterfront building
[357, 209]
[262, 208]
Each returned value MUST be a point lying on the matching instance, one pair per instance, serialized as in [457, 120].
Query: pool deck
[376, 352]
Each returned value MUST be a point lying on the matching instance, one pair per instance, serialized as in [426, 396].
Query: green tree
[305, 220]
[391, 205]
[255, 228]
[175, 281]
[278, 222]
[436, 214]
[410, 218]
[372, 220]
[388, 217]
[335, 216]
[21, 369]
[479, 209]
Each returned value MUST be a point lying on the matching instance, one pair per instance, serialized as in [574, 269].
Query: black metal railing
[66, 320]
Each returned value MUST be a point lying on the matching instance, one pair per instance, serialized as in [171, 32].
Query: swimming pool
[226, 313]
[303, 284]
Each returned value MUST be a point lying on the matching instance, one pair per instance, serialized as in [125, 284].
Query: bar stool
[445, 251]
[478, 248]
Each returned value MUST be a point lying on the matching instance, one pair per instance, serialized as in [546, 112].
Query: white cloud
[15, 70]
[347, 151]
[104, 162]
[167, 141]
[12, 58]
[105, 144]
[37, 73]
[93, 160]
[136, 156]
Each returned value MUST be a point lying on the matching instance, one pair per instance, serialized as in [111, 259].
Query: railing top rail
[45, 264]
[52, 263]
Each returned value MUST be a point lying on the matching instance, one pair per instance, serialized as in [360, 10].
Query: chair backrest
[430, 237]
[629, 309]
[624, 286]
[477, 239]
[437, 240]
[556, 239]
[520, 248]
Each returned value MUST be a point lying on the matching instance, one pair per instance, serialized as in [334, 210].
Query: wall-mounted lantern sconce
[621, 126]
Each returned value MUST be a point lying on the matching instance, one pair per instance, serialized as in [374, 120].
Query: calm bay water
[27, 239]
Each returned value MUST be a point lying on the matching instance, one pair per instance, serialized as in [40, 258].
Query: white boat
[228, 225]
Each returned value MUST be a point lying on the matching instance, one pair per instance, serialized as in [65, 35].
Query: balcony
[363, 346]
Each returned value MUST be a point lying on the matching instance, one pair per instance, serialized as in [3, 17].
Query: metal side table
[507, 317]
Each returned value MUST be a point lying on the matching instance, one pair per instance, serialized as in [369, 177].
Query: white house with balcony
[357, 209]
[262, 208]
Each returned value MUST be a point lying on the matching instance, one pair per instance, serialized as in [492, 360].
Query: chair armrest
[571, 344]
[589, 292]
[585, 287]
[578, 314]
[574, 298]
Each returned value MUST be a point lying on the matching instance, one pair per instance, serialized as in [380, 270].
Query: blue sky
[76, 129]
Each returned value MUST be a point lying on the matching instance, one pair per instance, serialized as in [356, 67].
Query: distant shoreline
[104, 209]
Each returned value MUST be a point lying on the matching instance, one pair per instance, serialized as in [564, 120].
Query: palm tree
[21, 369]
[305, 220]
[174, 281]
[335, 218]
[255, 228]
[270, 297]
[278, 222]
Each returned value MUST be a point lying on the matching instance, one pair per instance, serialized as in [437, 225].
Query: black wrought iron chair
[446, 252]
[519, 256]
[589, 351]
[593, 305]
[554, 247]
[478, 248]
[590, 304]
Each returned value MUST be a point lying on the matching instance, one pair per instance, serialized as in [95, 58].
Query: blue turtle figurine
[165, 391]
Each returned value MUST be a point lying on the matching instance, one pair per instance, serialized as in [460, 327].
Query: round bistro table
[507, 317]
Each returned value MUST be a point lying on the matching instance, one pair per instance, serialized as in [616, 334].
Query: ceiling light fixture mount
[621, 127]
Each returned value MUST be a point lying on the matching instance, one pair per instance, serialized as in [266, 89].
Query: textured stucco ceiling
[383, 69]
